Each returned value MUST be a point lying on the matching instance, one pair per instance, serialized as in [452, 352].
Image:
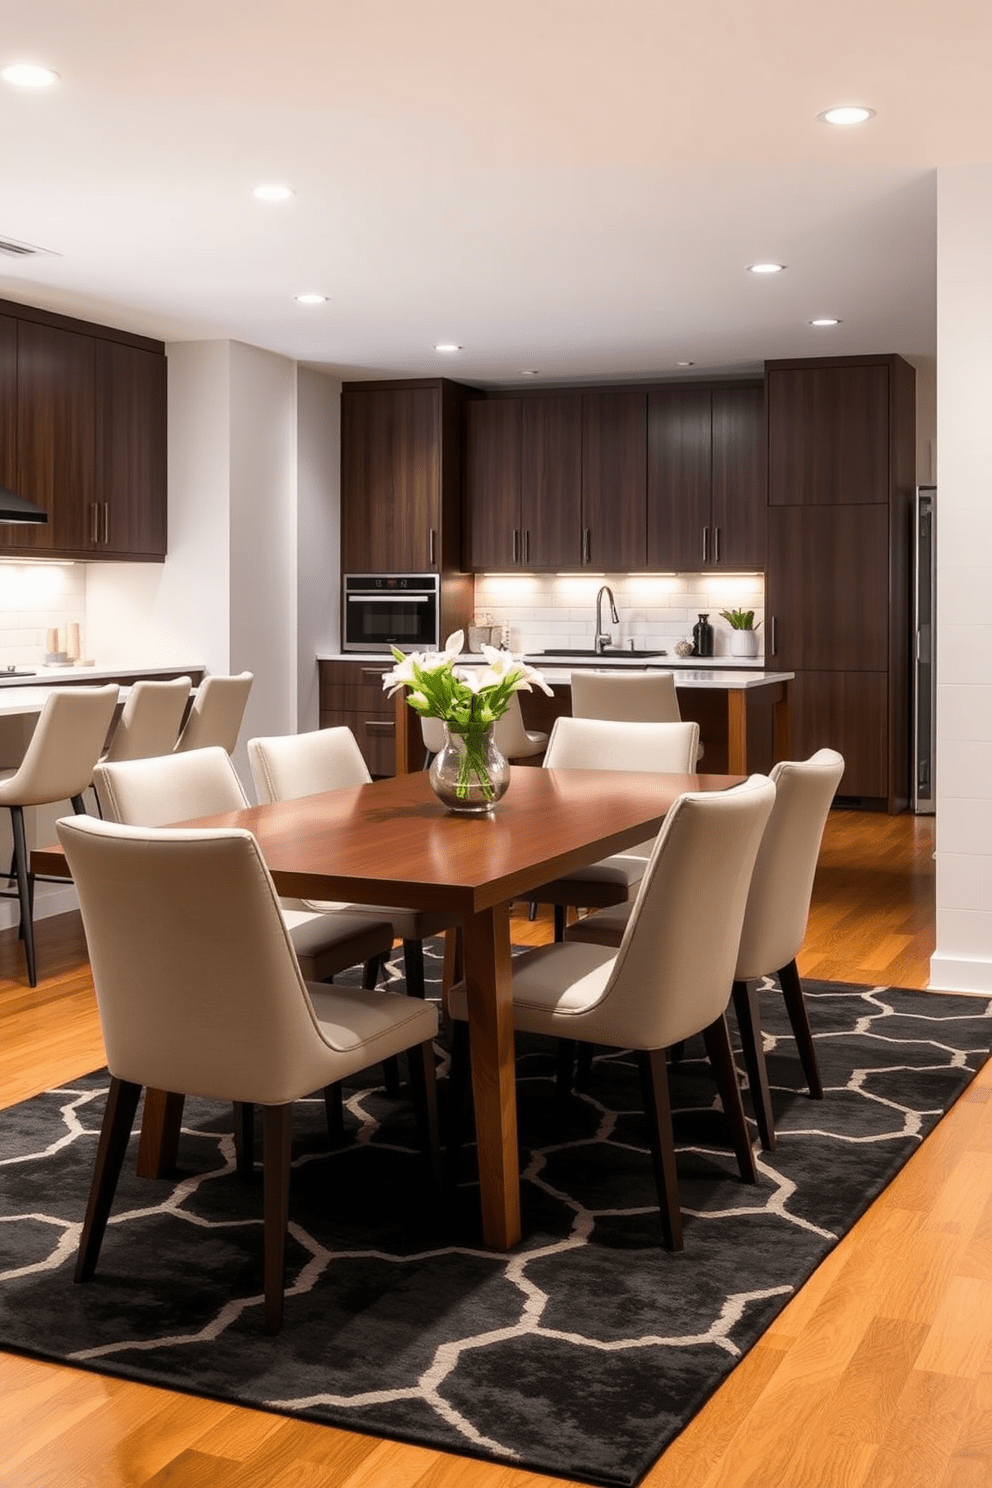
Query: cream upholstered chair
[215, 1005]
[671, 976]
[57, 766]
[217, 711]
[602, 744]
[774, 921]
[628, 697]
[180, 787]
[151, 719]
[292, 765]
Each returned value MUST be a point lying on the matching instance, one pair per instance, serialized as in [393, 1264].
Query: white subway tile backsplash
[34, 598]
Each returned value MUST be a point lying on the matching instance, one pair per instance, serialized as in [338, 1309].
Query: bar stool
[217, 712]
[57, 766]
[149, 725]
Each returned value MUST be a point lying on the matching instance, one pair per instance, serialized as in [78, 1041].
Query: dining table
[392, 842]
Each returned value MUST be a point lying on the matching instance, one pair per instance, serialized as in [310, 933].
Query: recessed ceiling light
[765, 268]
[310, 299]
[825, 320]
[685, 364]
[273, 193]
[847, 114]
[529, 372]
[446, 346]
[28, 75]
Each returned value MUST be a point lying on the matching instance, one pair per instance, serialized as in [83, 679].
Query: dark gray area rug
[580, 1354]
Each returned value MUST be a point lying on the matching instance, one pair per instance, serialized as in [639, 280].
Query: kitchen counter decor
[743, 632]
[468, 774]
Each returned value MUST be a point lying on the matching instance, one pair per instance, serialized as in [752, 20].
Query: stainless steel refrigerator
[925, 641]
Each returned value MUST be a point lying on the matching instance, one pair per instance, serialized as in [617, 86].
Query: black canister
[702, 637]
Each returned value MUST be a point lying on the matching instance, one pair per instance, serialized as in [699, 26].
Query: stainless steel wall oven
[383, 610]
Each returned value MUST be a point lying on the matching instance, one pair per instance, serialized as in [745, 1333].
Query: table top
[392, 842]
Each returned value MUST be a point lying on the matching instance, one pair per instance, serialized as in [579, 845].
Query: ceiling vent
[13, 249]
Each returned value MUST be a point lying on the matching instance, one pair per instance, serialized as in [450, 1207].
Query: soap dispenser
[702, 637]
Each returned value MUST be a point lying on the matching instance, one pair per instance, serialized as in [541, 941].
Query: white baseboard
[49, 900]
[948, 974]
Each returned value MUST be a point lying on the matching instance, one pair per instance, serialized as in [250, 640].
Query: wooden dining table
[392, 842]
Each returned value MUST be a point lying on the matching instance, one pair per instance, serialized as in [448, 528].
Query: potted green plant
[743, 632]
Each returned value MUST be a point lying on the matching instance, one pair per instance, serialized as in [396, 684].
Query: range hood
[14, 508]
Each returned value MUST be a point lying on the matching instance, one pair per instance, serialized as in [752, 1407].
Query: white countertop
[701, 677]
[51, 676]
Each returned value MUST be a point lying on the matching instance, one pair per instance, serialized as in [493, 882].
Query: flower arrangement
[468, 699]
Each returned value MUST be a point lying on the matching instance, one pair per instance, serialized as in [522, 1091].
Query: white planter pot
[743, 643]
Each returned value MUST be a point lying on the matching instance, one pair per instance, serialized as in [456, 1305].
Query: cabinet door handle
[106, 523]
[586, 545]
[432, 560]
[387, 725]
[94, 522]
[706, 544]
[527, 545]
[378, 672]
[774, 635]
[716, 545]
[516, 544]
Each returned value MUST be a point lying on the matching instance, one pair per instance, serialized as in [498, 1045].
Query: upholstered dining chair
[57, 766]
[775, 919]
[214, 1005]
[150, 721]
[287, 766]
[217, 712]
[670, 978]
[628, 697]
[602, 744]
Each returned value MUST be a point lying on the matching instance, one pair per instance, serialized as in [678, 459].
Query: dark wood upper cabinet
[706, 479]
[614, 481]
[828, 435]
[83, 435]
[551, 482]
[391, 478]
[492, 484]
[739, 477]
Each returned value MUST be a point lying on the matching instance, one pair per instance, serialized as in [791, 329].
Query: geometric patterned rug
[584, 1351]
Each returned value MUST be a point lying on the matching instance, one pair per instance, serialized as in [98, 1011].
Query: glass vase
[469, 774]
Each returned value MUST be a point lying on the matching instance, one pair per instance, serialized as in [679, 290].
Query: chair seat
[408, 924]
[610, 881]
[606, 927]
[355, 1021]
[327, 944]
[551, 985]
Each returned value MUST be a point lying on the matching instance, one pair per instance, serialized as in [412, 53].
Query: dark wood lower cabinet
[351, 695]
[847, 711]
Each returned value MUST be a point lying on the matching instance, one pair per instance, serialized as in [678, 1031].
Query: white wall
[963, 956]
[318, 465]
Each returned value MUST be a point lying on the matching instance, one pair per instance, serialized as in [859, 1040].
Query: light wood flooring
[877, 1375]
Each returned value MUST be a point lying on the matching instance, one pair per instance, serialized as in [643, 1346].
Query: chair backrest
[674, 970]
[633, 697]
[432, 731]
[66, 743]
[290, 765]
[169, 788]
[216, 714]
[778, 903]
[150, 722]
[509, 733]
[604, 744]
[198, 986]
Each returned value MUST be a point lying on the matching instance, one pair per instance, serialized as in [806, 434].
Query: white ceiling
[574, 186]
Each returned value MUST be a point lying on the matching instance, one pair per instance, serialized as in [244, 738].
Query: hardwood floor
[877, 1375]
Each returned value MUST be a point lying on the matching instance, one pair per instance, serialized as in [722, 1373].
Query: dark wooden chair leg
[244, 1137]
[795, 1006]
[118, 1119]
[583, 1065]
[161, 1123]
[413, 967]
[559, 911]
[25, 891]
[749, 1023]
[334, 1113]
[658, 1110]
[721, 1055]
[277, 1133]
[565, 1066]
[423, 1083]
[371, 972]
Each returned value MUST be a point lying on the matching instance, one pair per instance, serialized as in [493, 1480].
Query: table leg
[486, 949]
[737, 731]
[161, 1120]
